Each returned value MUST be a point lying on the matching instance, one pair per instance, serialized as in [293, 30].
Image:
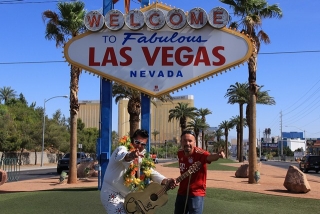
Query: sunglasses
[188, 132]
[139, 143]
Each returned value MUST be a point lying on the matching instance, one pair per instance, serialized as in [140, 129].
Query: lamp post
[44, 123]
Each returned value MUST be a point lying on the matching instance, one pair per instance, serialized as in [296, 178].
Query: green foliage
[7, 93]
[88, 138]
[287, 151]
[171, 150]
[21, 127]
[182, 112]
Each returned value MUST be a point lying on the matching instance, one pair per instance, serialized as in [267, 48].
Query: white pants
[112, 202]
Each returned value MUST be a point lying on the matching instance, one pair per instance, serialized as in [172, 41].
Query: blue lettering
[155, 74]
[128, 37]
[181, 39]
[133, 73]
[160, 74]
[152, 73]
[141, 38]
[142, 73]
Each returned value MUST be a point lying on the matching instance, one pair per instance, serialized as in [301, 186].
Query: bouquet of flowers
[130, 179]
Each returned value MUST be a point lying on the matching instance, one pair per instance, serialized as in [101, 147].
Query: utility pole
[281, 133]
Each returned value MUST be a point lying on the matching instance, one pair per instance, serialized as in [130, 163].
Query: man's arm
[132, 155]
[215, 156]
[129, 157]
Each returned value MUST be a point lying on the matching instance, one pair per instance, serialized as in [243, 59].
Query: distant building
[89, 113]
[293, 140]
[169, 131]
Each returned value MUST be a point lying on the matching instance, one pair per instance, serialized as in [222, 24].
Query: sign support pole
[105, 116]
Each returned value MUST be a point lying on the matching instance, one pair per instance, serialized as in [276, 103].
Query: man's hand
[133, 155]
[222, 155]
[171, 183]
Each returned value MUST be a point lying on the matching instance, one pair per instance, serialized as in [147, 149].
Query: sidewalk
[271, 182]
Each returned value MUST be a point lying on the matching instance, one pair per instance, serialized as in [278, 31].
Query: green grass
[215, 165]
[87, 200]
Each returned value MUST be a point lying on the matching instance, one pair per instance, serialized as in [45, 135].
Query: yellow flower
[147, 173]
[136, 181]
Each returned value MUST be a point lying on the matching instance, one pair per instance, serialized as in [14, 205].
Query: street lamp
[44, 123]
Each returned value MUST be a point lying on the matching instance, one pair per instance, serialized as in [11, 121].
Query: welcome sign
[157, 49]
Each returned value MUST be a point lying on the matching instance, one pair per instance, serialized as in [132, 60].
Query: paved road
[36, 174]
[285, 165]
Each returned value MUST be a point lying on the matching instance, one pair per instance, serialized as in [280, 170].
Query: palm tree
[238, 93]
[7, 93]
[182, 112]
[219, 133]
[155, 133]
[196, 125]
[251, 13]
[203, 113]
[264, 98]
[208, 137]
[62, 26]
[226, 126]
[218, 145]
[134, 105]
[236, 121]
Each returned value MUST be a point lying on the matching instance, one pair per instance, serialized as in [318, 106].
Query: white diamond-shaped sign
[161, 61]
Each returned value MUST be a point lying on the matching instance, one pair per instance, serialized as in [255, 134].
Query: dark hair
[188, 132]
[140, 132]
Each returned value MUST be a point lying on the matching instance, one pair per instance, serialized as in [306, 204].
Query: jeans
[194, 205]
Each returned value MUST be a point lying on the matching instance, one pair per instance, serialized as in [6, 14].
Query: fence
[12, 167]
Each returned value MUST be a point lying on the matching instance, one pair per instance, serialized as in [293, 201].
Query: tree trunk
[35, 157]
[226, 138]
[74, 109]
[252, 118]
[183, 123]
[134, 110]
[241, 134]
[134, 123]
[202, 139]
[197, 136]
[238, 145]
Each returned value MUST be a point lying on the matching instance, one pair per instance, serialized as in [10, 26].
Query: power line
[28, 2]
[292, 52]
[30, 62]
[58, 61]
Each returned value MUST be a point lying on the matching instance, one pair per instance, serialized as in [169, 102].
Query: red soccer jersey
[199, 178]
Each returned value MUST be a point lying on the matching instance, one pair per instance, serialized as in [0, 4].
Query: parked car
[63, 164]
[310, 162]
[263, 158]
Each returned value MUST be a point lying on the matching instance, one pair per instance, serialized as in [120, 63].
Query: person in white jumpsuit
[113, 190]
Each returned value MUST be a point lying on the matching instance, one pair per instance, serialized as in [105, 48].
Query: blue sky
[291, 78]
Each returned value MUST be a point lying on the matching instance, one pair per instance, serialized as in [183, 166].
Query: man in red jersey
[190, 197]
